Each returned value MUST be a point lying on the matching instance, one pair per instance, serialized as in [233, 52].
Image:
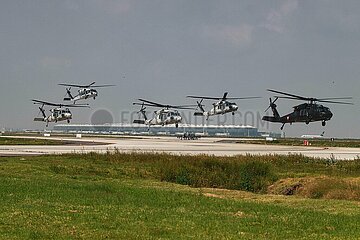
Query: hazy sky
[164, 50]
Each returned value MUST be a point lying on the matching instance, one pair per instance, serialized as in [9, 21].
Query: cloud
[54, 62]
[275, 21]
[236, 35]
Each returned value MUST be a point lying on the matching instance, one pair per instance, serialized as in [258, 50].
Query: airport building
[135, 129]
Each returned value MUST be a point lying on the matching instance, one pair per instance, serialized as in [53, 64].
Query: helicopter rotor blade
[72, 85]
[44, 103]
[223, 99]
[76, 105]
[144, 104]
[58, 104]
[189, 107]
[91, 84]
[272, 103]
[153, 103]
[290, 95]
[101, 86]
[337, 98]
[293, 98]
[326, 100]
[268, 106]
[345, 103]
[241, 98]
[224, 96]
[202, 97]
[86, 86]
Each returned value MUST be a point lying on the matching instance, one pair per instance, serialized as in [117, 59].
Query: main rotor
[311, 100]
[223, 98]
[91, 85]
[164, 106]
[59, 105]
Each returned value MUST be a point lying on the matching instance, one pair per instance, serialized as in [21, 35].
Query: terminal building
[170, 130]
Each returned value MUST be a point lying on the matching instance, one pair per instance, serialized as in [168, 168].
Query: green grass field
[28, 141]
[121, 196]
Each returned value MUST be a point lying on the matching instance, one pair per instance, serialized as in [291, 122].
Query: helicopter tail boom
[271, 119]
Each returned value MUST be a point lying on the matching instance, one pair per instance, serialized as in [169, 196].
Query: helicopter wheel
[68, 121]
[307, 123]
[94, 98]
[176, 125]
[233, 113]
[323, 123]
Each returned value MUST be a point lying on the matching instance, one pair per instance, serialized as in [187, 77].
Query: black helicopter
[305, 112]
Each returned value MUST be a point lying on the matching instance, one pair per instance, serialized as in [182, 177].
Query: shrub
[252, 176]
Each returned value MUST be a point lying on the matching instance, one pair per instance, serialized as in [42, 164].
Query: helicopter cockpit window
[303, 112]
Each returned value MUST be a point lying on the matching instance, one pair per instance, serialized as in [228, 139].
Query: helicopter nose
[330, 114]
[234, 107]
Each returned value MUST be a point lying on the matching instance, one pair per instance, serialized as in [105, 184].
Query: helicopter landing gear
[233, 113]
[176, 125]
[307, 123]
[68, 121]
[323, 123]
[282, 127]
[94, 98]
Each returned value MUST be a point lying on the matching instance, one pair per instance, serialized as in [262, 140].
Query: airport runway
[211, 146]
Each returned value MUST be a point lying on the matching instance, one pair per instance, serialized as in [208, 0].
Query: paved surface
[212, 146]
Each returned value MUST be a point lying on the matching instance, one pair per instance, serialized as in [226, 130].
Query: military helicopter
[162, 117]
[84, 92]
[221, 107]
[305, 112]
[57, 114]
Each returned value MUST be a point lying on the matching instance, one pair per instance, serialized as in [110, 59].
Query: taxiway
[210, 146]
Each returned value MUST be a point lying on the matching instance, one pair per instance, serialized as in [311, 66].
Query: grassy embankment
[130, 196]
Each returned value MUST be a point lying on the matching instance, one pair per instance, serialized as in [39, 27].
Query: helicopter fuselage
[221, 107]
[57, 115]
[162, 117]
[165, 117]
[306, 112]
[85, 93]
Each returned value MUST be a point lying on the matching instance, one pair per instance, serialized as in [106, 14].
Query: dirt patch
[321, 187]
[213, 195]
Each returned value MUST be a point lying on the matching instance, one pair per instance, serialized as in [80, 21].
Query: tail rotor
[200, 106]
[142, 111]
[272, 104]
[273, 107]
[42, 111]
[68, 95]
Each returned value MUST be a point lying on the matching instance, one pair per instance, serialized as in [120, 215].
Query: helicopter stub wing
[39, 120]
[139, 121]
